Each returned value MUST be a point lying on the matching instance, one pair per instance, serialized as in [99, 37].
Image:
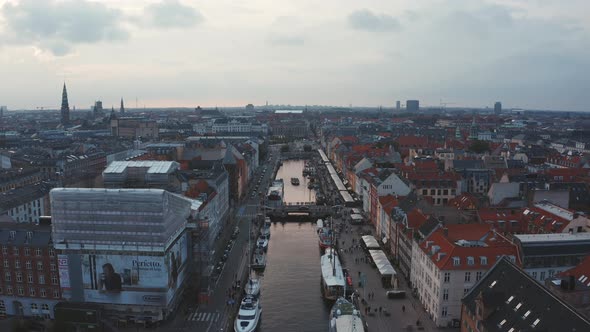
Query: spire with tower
[65, 107]
[122, 109]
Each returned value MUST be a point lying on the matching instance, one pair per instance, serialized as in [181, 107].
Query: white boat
[319, 223]
[252, 287]
[248, 315]
[344, 317]
[258, 259]
[262, 242]
[265, 230]
[276, 193]
[333, 282]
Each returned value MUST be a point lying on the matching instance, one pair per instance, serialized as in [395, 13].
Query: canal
[291, 294]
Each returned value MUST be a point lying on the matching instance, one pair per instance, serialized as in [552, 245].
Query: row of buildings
[447, 211]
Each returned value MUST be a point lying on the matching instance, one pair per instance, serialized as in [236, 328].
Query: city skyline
[527, 54]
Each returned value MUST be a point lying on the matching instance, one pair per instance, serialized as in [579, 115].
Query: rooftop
[154, 167]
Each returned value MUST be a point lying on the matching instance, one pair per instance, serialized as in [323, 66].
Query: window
[542, 278]
[470, 260]
[32, 291]
[7, 276]
[535, 275]
[445, 294]
[518, 306]
[53, 267]
[15, 250]
[20, 291]
[424, 192]
[40, 265]
[526, 314]
[19, 277]
[56, 293]
[11, 235]
[478, 276]
[28, 265]
[9, 290]
[54, 280]
[45, 307]
[27, 251]
[444, 312]
[536, 322]
[51, 253]
[34, 307]
[6, 263]
[456, 261]
[465, 290]
[447, 277]
[38, 252]
[484, 260]
[30, 278]
[43, 292]
[42, 279]
[467, 276]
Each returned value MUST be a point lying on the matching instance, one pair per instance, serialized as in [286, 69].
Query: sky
[531, 54]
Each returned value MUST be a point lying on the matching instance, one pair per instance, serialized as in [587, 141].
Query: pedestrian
[403, 308]
[369, 308]
[380, 309]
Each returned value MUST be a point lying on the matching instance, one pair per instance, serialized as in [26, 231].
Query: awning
[370, 242]
[383, 264]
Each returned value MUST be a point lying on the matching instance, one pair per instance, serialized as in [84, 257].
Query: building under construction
[127, 249]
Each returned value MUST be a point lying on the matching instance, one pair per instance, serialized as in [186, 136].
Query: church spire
[65, 107]
[122, 109]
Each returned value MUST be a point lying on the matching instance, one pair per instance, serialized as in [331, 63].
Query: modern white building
[449, 262]
[544, 255]
[26, 204]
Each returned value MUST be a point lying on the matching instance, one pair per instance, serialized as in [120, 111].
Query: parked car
[235, 233]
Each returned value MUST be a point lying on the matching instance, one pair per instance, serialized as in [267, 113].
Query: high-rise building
[2, 110]
[65, 107]
[122, 109]
[412, 105]
[398, 105]
[498, 107]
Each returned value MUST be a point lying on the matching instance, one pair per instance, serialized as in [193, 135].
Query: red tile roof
[579, 271]
[443, 249]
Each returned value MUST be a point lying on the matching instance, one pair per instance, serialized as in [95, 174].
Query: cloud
[286, 40]
[173, 14]
[365, 19]
[56, 26]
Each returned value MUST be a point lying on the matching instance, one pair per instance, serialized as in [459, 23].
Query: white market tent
[370, 242]
[383, 264]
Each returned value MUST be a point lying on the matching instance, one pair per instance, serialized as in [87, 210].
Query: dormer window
[470, 260]
[484, 260]
[510, 299]
[456, 261]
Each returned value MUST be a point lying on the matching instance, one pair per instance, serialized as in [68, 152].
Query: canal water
[291, 292]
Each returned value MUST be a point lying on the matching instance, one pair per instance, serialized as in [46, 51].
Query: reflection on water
[295, 194]
[291, 292]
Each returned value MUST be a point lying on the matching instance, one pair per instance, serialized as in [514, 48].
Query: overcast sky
[525, 53]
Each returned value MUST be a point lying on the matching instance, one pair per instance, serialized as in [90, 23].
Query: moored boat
[252, 287]
[262, 242]
[248, 315]
[333, 282]
[258, 259]
[325, 237]
[295, 181]
[275, 194]
[345, 317]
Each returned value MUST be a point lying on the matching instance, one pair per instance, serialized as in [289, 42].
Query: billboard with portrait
[123, 278]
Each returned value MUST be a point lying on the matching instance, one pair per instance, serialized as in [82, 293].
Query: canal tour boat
[333, 282]
[295, 181]
[258, 259]
[262, 242]
[345, 317]
[248, 315]
[275, 194]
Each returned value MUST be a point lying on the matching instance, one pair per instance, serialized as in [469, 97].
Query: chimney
[446, 232]
[563, 284]
[572, 283]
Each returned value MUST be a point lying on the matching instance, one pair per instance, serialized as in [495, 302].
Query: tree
[479, 146]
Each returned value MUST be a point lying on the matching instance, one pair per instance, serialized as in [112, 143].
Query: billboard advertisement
[128, 278]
